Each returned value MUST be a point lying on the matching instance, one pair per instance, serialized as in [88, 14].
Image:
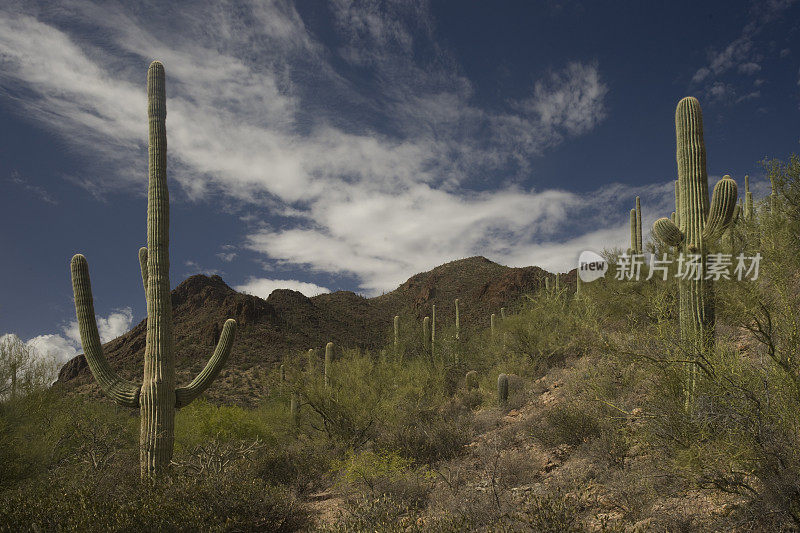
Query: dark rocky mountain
[289, 322]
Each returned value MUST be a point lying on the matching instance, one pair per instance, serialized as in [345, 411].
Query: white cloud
[374, 174]
[65, 346]
[263, 287]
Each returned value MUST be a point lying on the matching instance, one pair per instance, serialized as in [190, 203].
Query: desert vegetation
[642, 405]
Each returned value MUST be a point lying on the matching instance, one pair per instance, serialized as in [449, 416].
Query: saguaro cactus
[294, 408]
[748, 200]
[328, 361]
[700, 222]
[502, 389]
[492, 321]
[312, 359]
[677, 220]
[458, 323]
[639, 247]
[396, 331]
[632, 249]
[157, 397]
[471, 380]
[426, 333]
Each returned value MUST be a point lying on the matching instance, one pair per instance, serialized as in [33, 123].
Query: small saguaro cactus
[502, 390]
[578, 284]
[547, 284]
[396, 331]
[283, 373]
[639, 247]
[471, 380]
[157, 397]
[433, 329]
[312, 359]
[426, 333]
[458, 323]
[632, 249]
[700, 222]
[748, 200]
[492, 322]
[558, 284]
[328, 361]
[502, 313]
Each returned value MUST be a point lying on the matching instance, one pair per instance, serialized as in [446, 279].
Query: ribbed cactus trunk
[502, 390]
[158, 388]
[157, 397]
[677, 220]
[700, 222]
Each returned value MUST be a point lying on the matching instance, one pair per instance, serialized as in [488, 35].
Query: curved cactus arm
[120, 390]
[143, 266]
[667, 232]
[185, 395]
[723, 202]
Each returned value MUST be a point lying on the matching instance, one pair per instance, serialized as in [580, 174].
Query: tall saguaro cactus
[433, 329]
[157, 397]
[396, 331]
[632, 249]
[700, 222]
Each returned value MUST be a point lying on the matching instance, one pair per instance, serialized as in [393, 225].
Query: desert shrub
[554, 512]
[68, 500]
[566, 424]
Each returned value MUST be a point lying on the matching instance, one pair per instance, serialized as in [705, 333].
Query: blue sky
[349, 145]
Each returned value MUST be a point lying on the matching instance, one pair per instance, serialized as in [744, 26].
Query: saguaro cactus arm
[185, 395]
[723, 203]
[120, 390]
[667, 232]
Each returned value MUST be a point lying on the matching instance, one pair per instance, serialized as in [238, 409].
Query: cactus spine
[700, 222]
[157, 397]
[502, 389]
[328, 361]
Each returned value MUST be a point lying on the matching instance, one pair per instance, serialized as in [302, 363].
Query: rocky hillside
[288, 322]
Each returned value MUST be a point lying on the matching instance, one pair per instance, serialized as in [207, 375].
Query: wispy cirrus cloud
[742, 56]
[373, 154]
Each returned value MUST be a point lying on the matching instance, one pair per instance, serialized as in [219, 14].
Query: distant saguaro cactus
[492, 321]
[502, 389]
[396, 331]
[748, 200]
[700, 222]
[632, 249]
[426, 333]
[471, 380]
[502, 313]
[547, 284]
[578, 284]
[157, 397]
[639, 247]
[328, 361]
[433, 329]
[312, 359]
[458, 323]
[294, 408]
[283, 373]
